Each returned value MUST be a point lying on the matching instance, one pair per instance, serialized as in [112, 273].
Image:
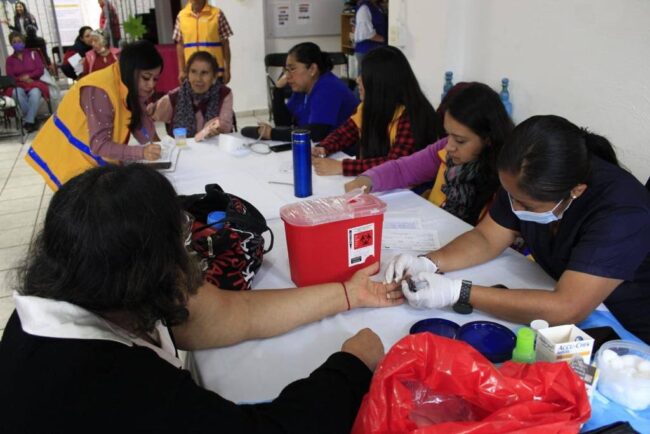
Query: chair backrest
[7, 81]
[276, 60]
[56, 57]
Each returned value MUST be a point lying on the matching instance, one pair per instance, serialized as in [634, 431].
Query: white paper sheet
[410, 239]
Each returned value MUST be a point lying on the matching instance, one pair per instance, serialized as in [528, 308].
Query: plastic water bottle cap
[524, 351]
[216, 219]
[178, 132]
[538, 324]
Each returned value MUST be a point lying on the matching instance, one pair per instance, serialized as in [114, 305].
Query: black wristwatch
[463, 305]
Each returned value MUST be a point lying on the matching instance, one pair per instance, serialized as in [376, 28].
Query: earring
[573, 196]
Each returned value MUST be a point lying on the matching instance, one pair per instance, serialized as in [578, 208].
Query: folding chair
[272, 62]
[8, 111]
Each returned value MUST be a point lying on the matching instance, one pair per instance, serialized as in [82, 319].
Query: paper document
[77, 63]
[402, 223]
[410, 239]
[168, 159]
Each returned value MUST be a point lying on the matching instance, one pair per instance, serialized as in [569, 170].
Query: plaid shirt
[348, 134]
[225, 31]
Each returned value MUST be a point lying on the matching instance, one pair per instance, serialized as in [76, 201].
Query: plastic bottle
[216, 219]
[505, 96]
[524, 351]
[448, 84]
[301, 147]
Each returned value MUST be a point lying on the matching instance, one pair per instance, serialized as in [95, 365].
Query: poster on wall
[303, 13]
[281, 15]
[67, 14]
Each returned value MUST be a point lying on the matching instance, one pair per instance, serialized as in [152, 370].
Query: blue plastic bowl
[491, 339]
[437, 326]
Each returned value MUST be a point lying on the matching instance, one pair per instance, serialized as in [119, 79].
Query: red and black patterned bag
[230, 255]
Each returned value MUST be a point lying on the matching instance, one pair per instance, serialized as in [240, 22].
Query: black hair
[308, 53]
[478, 107]
[25, 10]
[82, 30]
[113, 241]
[550, 156]
[203, 56]
[137, 56]
[389, 82]
[15, 34]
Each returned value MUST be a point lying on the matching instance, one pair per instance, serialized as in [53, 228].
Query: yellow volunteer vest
[60, 150]
[201, 33]
[437, 196]
[392, 127]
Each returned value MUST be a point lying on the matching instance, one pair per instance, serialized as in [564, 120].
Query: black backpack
[230, 255]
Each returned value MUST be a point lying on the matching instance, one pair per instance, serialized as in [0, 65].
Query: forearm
[405, 172]
[226, 55]
[466, 250]
[180, 55]
[220, 318]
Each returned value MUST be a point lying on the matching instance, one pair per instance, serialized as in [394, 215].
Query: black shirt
[52, 385]
[604, 232]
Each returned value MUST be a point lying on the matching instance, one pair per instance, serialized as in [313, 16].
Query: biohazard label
[361, 244]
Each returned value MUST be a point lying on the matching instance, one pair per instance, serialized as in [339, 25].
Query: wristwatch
[463, 305]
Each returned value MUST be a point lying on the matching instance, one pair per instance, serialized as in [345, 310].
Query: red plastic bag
[430, 384]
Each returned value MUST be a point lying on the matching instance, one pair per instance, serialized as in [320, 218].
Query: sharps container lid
[491, 339]
[314, 212]
[437, 326]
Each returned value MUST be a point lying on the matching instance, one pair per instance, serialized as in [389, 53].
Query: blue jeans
[29, 102]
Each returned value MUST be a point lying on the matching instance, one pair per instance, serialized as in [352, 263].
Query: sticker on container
[361, 244]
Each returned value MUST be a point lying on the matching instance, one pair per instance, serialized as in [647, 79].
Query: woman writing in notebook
[95, 119]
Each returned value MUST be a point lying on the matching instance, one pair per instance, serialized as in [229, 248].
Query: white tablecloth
[258, 370]
[247, 176]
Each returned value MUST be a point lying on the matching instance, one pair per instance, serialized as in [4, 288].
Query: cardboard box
[563, 343]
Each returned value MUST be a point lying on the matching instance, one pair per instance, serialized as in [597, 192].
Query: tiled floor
[23, 202]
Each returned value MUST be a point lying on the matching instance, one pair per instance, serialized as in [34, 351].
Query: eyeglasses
[188, 221]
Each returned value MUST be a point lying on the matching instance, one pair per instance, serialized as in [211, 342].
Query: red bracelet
[346, 295]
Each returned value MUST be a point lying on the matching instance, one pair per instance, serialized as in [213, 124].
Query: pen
[280, 183]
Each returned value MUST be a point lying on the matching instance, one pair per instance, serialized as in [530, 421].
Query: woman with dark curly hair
[108, 294]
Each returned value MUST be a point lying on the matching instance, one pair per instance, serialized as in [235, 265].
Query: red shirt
[348, 134]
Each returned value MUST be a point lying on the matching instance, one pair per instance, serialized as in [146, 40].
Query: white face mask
[542, 218]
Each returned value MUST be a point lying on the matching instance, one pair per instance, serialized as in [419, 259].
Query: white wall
[246, 19]
[586, 60]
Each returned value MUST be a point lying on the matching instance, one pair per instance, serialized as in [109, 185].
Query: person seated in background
[463, 164]
[393, 120]
[82, 44]
[26, 67]
[319, 102]
[102, 55]
[585, 219]
[110, 291]
[201, 105]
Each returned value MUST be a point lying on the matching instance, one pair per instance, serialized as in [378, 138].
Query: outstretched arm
[220, 318]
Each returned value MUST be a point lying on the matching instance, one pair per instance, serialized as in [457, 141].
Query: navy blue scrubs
[605, 232]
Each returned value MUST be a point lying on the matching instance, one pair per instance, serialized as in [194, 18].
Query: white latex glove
[440, 291]
[408, 264]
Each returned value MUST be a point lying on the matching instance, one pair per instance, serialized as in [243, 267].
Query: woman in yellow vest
[95, 119]
[201, 27]
[395, 118]
[463, 164]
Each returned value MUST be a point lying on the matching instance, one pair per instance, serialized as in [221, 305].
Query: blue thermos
[301, 146]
